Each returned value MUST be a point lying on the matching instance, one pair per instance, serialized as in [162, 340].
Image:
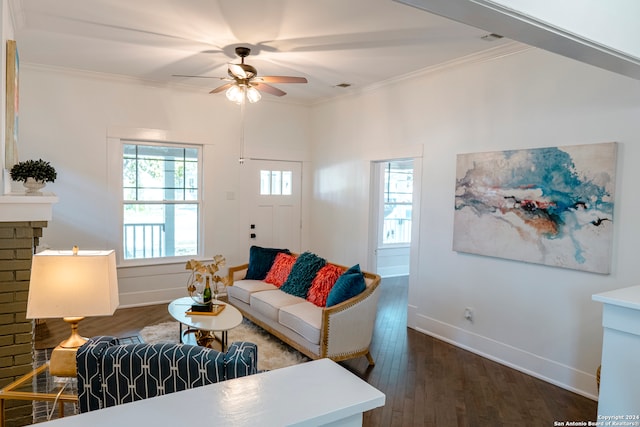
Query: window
[161, 200]
[274, 183]
[398, 199]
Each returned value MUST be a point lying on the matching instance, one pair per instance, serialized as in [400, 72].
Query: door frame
[248, 195]
[377, 182]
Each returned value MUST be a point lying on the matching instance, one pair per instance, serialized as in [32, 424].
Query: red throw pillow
[322, 284]
[280, 269]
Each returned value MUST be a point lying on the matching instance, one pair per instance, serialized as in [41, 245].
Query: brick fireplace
[22, 220]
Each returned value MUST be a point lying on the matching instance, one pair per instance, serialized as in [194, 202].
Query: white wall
[604, 34]
[7, 32]
[590, 19]
[536, 318]
[66, 118]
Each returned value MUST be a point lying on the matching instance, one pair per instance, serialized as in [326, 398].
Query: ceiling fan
[245, 82]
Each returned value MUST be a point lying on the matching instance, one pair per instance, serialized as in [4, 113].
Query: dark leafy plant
[39, 170]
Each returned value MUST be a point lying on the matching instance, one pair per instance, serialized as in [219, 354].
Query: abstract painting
[11, 107]
[551, 206]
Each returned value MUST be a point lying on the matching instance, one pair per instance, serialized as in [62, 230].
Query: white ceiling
[360, 42]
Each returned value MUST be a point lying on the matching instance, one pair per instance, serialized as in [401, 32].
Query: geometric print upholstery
[111, 374]
[241, 360]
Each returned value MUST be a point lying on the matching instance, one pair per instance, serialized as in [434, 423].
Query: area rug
[272, 353]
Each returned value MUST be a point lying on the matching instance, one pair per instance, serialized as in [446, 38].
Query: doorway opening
[393, 195]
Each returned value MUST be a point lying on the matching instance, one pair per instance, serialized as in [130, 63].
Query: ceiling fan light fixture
[253, 94]
[235, 94]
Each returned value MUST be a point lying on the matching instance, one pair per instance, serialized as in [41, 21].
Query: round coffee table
[204, 326]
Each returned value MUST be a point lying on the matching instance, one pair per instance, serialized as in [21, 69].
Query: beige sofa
[342, 331]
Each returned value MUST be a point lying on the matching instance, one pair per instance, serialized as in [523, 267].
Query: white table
[318, 393]
[620, 376]
[227, 319]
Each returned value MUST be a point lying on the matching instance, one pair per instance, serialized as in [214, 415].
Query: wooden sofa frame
[337, 330]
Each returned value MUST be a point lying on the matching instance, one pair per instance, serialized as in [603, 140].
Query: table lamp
[72, 285]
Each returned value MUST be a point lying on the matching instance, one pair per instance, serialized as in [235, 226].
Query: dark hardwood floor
[426, 382]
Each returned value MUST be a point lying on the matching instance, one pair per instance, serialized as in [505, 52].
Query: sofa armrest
[237, 273]
[111, 374]
[241, 359]
[347, 328]
[88, 371]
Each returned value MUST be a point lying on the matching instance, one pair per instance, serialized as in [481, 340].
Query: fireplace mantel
[20, 207]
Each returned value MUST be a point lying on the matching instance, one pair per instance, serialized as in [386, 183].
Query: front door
[273, 203]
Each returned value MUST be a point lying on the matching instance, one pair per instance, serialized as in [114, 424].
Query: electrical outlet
[468, 314]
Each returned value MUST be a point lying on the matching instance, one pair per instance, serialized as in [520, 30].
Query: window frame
[385, 167]
[199, 201]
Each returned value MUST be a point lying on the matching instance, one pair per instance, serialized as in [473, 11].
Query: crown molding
[16, 12]
[491, 54]
[516, 25]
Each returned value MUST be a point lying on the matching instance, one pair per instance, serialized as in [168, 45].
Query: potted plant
[34, 174]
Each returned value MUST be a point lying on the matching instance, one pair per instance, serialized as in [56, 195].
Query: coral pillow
[322, 284]
[260, 261]
[280, 269]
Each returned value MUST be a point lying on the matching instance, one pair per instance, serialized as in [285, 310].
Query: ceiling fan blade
[222, 88]
[281, 79]
[199, 77]
[268, 88]
[237, 71]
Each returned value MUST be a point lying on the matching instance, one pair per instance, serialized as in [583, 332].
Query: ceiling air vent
[491, 37]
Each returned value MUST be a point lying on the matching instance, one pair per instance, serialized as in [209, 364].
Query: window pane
[276, 182]
[287, 179]
[398, 199]
[396, 231]
[265, 183]
[160, 175]
[160, 230]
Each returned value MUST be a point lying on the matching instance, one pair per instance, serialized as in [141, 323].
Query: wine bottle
[206, 294]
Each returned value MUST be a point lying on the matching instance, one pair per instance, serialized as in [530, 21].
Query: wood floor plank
[427, 382]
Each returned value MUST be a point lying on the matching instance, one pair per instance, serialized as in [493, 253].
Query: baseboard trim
[561, 375]
[151, 297]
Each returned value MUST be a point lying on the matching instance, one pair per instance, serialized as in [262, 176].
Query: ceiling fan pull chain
[241, 159]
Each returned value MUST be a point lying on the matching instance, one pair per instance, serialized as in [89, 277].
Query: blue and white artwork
[551, 206]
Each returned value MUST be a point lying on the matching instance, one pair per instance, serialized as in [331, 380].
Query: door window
[275, 182]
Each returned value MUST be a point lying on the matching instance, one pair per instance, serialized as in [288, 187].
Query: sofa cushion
[243, 289]
[304, 318]
[304, 270]
[322, 284]
[260, 261]
[280, 270]
[350, 284]
[268, 303]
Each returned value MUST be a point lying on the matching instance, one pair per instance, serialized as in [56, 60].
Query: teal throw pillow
[302, 274]
[260, 261]
[350, 284]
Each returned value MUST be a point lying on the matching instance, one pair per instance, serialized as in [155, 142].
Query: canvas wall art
[551, 206]
[12, 104]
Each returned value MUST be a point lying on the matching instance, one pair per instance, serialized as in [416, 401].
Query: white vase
[33, 187]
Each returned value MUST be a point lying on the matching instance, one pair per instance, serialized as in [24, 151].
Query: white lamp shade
[253, 95]
[68, 285]
[235, 94]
